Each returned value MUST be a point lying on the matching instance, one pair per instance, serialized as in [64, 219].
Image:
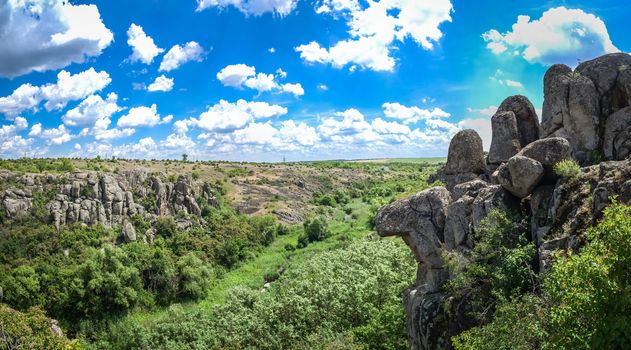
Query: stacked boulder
[589, 106]
[586, 117]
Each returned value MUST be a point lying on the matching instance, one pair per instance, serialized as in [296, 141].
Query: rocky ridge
[586, 117]
[102, 198]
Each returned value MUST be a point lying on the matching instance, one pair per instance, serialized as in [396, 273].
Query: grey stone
[520, 175]
[129, 232]
[505, 142]
[548, 152]
[527, 120]
[466, 153]
[616, 140]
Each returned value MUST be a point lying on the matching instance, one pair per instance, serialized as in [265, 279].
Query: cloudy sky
[260, 80]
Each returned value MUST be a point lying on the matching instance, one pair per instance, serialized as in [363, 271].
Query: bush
[316, 229]
[165, 226]
[584, 303]
[29, 330]
[195, 277]
[567, 168]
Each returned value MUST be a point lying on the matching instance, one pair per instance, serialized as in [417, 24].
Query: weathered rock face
[102, 198]
[465, 160]
[586, 115]
[420, 220]
[514, 125]
[527, 120]
[466, 154]
[520, 175]
[548, 152]
[578, 104]
[505, 137]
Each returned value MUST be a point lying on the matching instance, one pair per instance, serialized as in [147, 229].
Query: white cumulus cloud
[143, 47]
[226, 116]
[413, 114]
[241, 75]
[376, 28]
[140, 116]
[561, 35]
[91, 109]
[162, 83]
[41, 35]
[252, 7]
[179, 55]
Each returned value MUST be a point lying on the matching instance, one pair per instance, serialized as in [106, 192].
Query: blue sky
[257, 80]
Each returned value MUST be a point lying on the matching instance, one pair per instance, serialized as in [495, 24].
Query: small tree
[184, 157]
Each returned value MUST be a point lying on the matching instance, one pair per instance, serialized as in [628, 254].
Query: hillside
[111, 246]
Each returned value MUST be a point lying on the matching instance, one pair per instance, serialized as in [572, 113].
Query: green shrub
[195, 277]
[29, 330]
[567, 168]
[317, 229]
[584, 302]
[165, 226]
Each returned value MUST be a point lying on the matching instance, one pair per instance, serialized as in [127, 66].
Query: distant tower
[283, 159]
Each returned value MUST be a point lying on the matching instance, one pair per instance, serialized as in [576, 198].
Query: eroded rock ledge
[586, 117]
[101, 198]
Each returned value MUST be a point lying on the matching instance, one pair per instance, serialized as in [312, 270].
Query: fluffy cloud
[255, 133]
[295, 89]
[561, 35]
[235, 75]
[261, 82]
[73, 87]
[410, 115]
[68, 88]
[374, 29]
[12, 144]
[252, 7]
[226, 116]
[26, 97]
[179, 55]
[300, 133]
[241, 75]
[141, 116]
[57, 136]
[39, 35]
[142, 45]
[92, 109]
[161, 83]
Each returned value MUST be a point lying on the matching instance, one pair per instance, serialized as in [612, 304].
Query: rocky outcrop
[586, 116]
[465, 160]
[102, 198]
[514, 125]
[578, 104]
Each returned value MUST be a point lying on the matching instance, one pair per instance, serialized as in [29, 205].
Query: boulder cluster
[108, 199]
[586, 118]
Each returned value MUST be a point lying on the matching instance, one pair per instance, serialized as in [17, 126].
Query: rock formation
[586, 117]
[580, 105]
[101, 198]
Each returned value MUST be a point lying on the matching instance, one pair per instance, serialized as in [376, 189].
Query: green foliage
[567, 168]
[165, 226]
[29, 330]
[195, 277]
[38, 165]
[110, 286]
[500, 267]
[317, 229]
[584, 302]
[21, 288]
[343, 299]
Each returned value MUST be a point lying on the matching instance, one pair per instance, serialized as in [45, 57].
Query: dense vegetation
[203, 287]
[347, 298]
[583, 302]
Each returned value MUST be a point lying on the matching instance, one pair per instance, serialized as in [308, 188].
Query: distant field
[402, 160]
